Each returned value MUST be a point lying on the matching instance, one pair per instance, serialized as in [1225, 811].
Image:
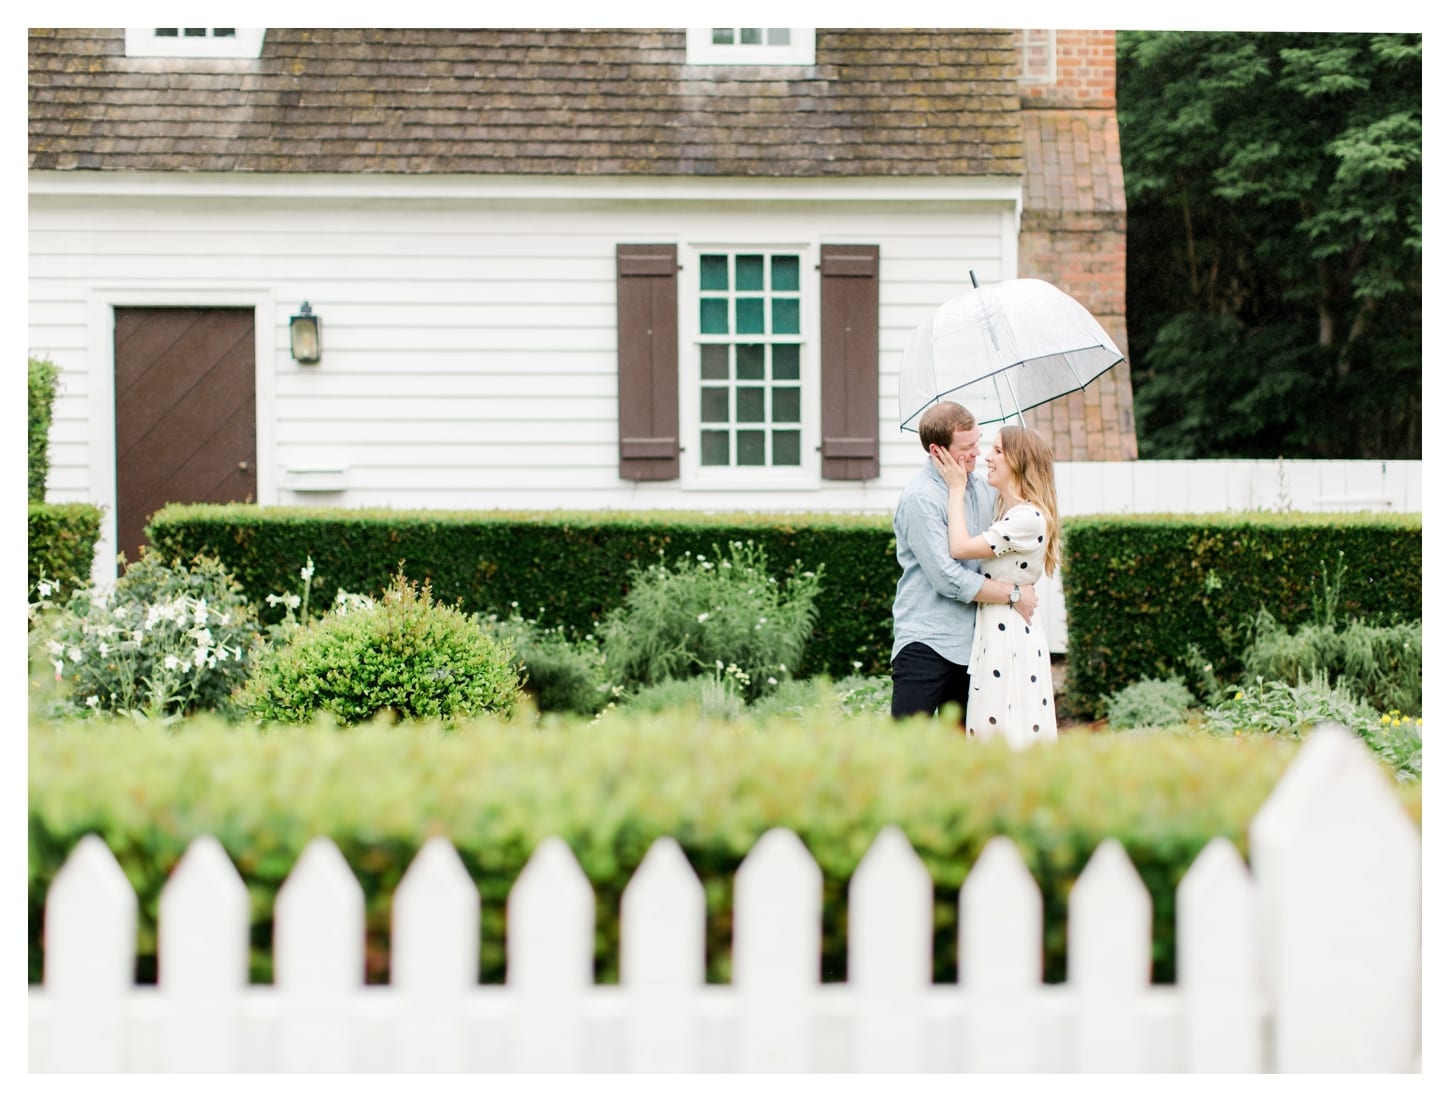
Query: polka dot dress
[1011, 667]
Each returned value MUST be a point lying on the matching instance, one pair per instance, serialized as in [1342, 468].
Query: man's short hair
[943, 421]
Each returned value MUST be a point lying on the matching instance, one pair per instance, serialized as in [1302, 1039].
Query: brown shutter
[647, 285]
[850, 391]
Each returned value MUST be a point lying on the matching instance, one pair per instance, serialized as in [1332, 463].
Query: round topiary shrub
[405, 654]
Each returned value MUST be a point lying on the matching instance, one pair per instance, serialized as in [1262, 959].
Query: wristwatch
[1015, 596]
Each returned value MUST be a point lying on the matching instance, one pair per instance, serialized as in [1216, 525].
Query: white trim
[701, 49]
[101, 304]
[533, 189]
[145, 42]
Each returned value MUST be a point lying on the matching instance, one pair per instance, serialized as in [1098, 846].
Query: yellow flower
[1239, 695]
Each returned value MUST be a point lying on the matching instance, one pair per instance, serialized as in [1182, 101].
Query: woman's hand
[951, 471]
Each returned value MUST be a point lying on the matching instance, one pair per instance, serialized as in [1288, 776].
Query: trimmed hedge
[566, 569]
[62, 545]
[1141, 590]
[496, 790]
[43, 378]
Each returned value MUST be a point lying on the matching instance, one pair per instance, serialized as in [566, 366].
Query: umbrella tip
[973, 274]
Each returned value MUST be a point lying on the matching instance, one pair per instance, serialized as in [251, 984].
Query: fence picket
[90, 960]
[1338, 864]
[1217, 967]
[1109, 960]
[999, 959]
[202, 944]
[777, 951]
[662, 959]
[434, 957]
[318, 944]
[551, 957]
[888, 953]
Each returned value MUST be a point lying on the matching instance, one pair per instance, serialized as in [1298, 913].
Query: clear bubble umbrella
[1002, 350]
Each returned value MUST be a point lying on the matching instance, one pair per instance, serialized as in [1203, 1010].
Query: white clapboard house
[548, 268]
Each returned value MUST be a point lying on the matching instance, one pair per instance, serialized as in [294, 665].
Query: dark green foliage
[1143, 593]
[573, 567]
[559, 674]
[62, 545]
[609, 790]
[405, 655]
[1274, 242]
[43, 375]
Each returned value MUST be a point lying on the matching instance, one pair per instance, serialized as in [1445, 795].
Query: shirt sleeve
[925, 530]
[1022, 528]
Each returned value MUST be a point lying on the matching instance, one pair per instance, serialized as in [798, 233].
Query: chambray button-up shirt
[936, 596]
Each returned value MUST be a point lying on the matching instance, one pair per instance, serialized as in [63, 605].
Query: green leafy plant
[706, 614]
[405, 654]
[561, 675]
[166, 639]
[1153, 702]
[1281, 710]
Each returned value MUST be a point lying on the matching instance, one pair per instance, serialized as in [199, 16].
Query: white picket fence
[1309, 963]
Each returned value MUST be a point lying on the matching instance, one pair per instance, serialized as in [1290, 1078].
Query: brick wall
[1074, 221]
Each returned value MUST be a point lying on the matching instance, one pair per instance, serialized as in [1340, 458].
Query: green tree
[1274, 242]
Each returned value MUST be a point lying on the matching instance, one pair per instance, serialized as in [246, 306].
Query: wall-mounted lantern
[306, 329]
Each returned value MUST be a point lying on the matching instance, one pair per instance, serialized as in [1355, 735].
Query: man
[935, 611]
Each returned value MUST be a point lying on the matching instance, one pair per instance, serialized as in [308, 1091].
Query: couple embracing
[970, 549]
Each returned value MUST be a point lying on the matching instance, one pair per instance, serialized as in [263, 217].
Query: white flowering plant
[708, 614]
[165, 640]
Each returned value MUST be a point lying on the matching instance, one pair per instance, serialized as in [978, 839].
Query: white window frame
[145, 42]
[701, 49]
[694, 475]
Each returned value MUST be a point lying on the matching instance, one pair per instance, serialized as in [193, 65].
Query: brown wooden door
[186, 412]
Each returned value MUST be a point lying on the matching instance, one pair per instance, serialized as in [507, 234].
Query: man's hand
[1028, 604]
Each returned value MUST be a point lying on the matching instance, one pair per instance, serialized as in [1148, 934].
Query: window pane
[750, 361]
[714, 315]
[785, 361]
[785, 273]
[750, 448]
[714, 404]
[714, 361]
[750, 405]
[785, 404]
[785, 315]
[714, 273]
[786, 445]
[715, 448]
[749, 315]
[777, 36]
[722, 36]
[750, 36]
[750, 273]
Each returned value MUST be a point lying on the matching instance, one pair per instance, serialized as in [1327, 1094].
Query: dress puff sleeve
[1022, 529]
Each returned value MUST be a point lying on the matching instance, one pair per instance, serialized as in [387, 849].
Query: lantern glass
[306, 336]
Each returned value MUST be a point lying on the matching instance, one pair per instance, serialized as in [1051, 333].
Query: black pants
[922, 681]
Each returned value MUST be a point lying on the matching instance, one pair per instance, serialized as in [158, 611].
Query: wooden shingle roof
[881, 102]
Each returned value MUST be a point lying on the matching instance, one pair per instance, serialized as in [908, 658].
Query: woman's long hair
[1029, 465]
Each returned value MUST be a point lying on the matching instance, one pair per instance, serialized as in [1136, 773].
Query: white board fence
[1311, 962]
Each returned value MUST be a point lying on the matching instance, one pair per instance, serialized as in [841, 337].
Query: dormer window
[750, 46]
[195, 41]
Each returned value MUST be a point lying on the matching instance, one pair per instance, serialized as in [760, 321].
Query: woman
[1011, 668]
